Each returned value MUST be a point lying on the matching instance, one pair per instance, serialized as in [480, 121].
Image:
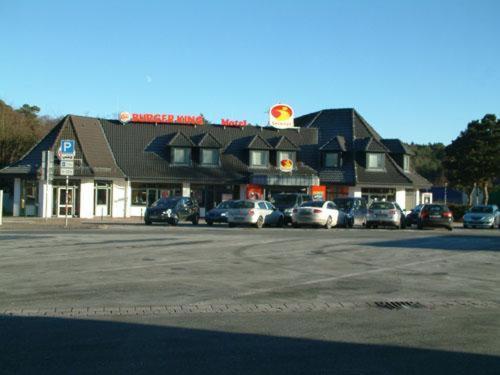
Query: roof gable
[337, 143]
[258, 143]
[397, 147]
[283, 143]
[180, 140]
[369, 144]
[207, 140]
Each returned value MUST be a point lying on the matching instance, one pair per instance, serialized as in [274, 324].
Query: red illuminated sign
[162, 118]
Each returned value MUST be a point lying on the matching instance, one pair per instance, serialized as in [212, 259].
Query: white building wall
[354, 192]
[118, 202]
[186, 189]
[17, 197]
[86, 198]
[417, 197]
[401, 198]
[45, 199]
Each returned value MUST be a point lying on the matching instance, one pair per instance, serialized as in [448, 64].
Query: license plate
[306, 213]
[435, 217]
[381, 215]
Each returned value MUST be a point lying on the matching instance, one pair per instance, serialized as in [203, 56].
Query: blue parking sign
[68, 146]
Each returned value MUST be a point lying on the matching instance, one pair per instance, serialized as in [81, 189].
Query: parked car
[354, 208]
[385, 214]
[318, 213]
[219, 213]
[412, 217]
[254, 212]
[482, 217]
[435, 215]
[173, 210]
[286, 202]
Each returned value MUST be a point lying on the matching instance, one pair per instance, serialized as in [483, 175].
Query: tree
[428, 161]
[473, 158]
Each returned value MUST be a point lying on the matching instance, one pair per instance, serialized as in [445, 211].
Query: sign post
[67, 152]
[1, 206]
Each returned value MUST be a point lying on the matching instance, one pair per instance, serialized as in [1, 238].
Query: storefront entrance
[102, 199]
[61, 201]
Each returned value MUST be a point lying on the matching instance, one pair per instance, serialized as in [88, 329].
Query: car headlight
[223, 214]
[288, 211]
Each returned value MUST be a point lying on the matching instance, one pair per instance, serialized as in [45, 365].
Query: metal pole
[66, 210]
[445, 192]
[1, 206]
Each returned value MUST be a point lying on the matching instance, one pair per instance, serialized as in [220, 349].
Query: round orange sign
[286, 165]
[281, 112]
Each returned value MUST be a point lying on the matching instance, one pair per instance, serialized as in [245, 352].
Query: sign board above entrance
[164, 118]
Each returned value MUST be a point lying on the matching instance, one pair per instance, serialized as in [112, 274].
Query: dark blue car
[219, 213]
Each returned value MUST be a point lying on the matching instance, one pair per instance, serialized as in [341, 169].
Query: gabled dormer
[400, 152]
[284, 149]
[371, 154]
[208, 150]
[258, 152]
[180, 149]
[332, 152]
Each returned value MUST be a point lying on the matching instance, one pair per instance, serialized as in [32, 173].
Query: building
[120, 169]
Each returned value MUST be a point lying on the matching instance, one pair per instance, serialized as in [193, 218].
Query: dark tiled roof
[258, 143]
[337, 143]
[284, 144]
[208, 140]
[397, 147]
[180, 140]
[369, 144]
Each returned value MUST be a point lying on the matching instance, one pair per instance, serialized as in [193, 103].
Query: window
[259, 158]
[375, 161]
[181, 156]
[331, 160]
[209, 156]
[330, 206]
[262, 205]
[285, 155]
[406, 163]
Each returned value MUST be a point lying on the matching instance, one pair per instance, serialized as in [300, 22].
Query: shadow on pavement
[449, 242]
[70, 346]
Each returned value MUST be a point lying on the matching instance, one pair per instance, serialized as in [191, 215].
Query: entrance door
[61, 201]
[102, 201]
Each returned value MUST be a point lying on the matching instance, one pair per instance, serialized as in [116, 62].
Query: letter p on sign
[68, 147]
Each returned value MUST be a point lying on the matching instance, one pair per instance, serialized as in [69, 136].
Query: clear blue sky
[417, 70]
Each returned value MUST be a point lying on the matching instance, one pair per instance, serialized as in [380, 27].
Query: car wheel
[260, 222]
[350, 223]
[466, 226]
[420, 226]
[368, 226]
[196, 219]
[328, 224]
[281, 222]
[210, 223]
[296, 225]
[450, 228]
[174, 221]
[148, 222]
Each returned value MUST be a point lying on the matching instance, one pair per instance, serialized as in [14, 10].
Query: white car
[257, 213]
[323, 213]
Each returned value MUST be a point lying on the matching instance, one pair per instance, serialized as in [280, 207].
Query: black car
[173, 210]
[435, 215]
[355, 209]
[412, 217]
[219, 213]
[286, 202]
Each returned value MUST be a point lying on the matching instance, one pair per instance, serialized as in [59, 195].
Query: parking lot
[429, 289]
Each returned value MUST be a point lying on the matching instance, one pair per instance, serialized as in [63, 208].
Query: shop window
[406, 163]
[375, 161]
[285, 155]
[209, 156]
[331, 160]
[259, 158]
[139, 197]
[181, 156]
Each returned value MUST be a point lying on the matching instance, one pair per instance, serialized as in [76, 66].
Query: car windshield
[418, 208]
[482, 210]
[243, 204]
[345, 204]
[382, 206]
[225, 205]
[313, 204]
[165, 203]
[284, 199]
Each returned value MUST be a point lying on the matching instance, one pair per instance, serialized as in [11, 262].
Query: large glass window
[406, 163]
[259, 158]
[286, 155]
[181, 155]
[375, 161]
[331, 159]
[209, 156]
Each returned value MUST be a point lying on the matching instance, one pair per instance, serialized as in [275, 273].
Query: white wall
[86, 198]
[17, 197]
[186, 189]
[401, 199]
[354, 192]
[45, 199]
[118, 198]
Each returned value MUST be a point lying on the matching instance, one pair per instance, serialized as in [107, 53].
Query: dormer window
[181, 155]
[406, 163]
[209, 157]
[259, 158]
[285, 155]
[375, 161]
[331, 159]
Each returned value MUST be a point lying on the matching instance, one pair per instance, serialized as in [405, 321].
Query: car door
[264, 212]
[182, 209]
[274, 213]
[333, 212]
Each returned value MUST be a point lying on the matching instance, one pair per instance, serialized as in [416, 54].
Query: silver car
[482, 217]
[254, 212]
[318, 213]
[385, 214]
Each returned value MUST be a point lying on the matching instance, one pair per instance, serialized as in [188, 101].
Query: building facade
[120, 169]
